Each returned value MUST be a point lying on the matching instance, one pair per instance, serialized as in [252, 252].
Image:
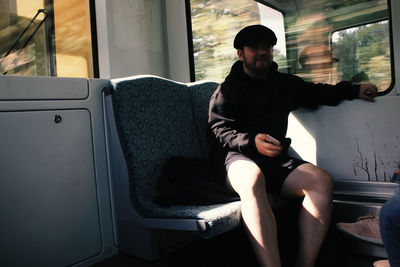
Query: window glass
[364, 53]
[45, 38]
[347, 41]
[214, 26]
[319, 40]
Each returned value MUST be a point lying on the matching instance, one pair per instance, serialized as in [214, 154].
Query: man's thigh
[242, 174]
[271, 171]
[305, 177]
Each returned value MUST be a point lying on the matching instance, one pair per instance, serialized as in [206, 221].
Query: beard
[259, 66]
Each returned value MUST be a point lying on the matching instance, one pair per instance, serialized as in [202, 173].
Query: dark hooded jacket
[242, 107]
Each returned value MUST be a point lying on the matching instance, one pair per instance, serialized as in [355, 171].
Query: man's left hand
[368, 91]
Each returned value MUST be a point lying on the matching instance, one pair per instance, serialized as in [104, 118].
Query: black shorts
[275, 170]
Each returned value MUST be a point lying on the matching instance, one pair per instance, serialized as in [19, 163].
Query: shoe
[382, 263]
[366, 228]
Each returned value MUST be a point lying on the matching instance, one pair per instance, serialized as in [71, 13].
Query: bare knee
[324, 182]
[256, 186]
[308, 178]
[246, 179]
[319, 180]
[253, 186]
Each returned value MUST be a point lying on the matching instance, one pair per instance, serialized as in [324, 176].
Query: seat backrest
[155, 121]
[200, 93]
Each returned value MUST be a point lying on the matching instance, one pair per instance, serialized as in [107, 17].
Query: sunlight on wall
[302, 141]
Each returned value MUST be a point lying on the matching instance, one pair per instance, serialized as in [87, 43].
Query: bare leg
[316, 186]
[248, 181]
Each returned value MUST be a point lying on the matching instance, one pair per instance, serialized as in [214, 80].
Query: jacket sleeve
[223, 122]
[311, 95]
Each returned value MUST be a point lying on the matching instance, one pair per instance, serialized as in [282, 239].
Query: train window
[321, 41]
[364, 54]
[214, 26]
[45, 38]
[341, 41]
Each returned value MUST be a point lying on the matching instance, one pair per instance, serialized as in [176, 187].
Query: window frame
[93, 31]
[190, 40]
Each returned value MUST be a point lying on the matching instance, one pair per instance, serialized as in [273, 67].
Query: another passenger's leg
[389, 222]
[248, 181]
[316, 186]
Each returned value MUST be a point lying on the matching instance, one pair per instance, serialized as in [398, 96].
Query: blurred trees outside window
[214, 26]
[364, 53]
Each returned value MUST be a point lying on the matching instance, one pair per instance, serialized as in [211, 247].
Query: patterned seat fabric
[157, 119]
[200, 95]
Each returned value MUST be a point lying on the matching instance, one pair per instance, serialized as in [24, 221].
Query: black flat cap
[252, 34]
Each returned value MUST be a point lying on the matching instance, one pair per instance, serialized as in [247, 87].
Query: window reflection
[52, 39]
[18, 25]
[318, 65]
[72, 38]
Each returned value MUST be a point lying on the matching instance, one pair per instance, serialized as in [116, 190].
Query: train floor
[233, 250]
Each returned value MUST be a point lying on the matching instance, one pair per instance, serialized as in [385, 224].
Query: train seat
[150, 119]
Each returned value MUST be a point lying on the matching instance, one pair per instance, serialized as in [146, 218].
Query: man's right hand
[268, 146]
